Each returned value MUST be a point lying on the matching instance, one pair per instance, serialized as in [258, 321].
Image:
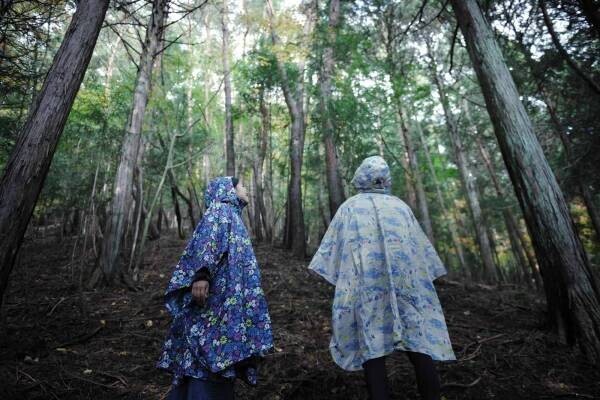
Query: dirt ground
[53, 345]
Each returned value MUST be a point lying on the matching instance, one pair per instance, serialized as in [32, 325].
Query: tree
[229, 134]
[332, 173]
[122, 195]
[571, 292]
[294, 99]
[32, 155]
[467, 178]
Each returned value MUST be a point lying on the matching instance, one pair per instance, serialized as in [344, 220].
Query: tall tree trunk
[509, 219]
[572, 295]
[334, 179]
[294, 98]
[423, 209]
[261, 147]
[121, 201]
[467, 178]
[191, 165]
[410, 193]
[229, 135]
[30, 159]
[466, 271]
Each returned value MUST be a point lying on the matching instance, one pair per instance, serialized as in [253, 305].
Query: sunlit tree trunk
[465, 270]
[467, 179]
[294, 98]
[572, 295]
[334, 180]
[259, 162]
[229, 133]
[417, 179]
[529, 270]
[30, 158]
[122, 195]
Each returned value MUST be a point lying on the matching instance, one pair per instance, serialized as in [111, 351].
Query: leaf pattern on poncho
[383, 267]
[234, 324]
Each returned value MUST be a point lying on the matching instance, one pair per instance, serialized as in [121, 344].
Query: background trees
[292, 97]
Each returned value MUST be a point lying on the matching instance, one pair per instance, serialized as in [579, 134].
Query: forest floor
[51, 349]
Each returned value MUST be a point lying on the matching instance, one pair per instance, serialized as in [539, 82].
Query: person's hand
[200, 291]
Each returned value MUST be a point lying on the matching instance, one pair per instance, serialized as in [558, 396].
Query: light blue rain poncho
[382, 266]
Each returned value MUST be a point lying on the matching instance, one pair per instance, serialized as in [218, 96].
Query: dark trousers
[428, 380]
[197, 389]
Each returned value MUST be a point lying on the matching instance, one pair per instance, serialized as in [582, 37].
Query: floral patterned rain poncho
[382, 266]
[233, 327]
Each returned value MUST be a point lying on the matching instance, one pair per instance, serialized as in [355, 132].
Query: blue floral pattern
[233, 327]
[382, 266]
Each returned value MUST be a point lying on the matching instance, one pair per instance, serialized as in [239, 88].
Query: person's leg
[376, 377]
[428, 380]
[200, 389]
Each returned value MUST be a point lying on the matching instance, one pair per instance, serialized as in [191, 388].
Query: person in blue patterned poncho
[221, 325]
[383, 268]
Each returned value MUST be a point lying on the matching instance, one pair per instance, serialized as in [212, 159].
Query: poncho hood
[222, 190]
[373, 175]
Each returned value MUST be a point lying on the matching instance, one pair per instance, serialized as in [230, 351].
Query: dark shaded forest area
[115, 115]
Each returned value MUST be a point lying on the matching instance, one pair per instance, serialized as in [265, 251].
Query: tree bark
[229, 133]
[121, 201]
[332, 173]
[466, 271]
[467, 179]
[511, 224]
[294, 98]
[261, 147]
[572, 295]
[30, 159]
[413, 163]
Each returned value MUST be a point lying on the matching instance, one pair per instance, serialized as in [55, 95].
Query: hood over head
[222, 190]
[373, 175]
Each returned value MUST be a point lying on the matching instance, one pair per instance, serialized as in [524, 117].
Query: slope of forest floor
[51, 349]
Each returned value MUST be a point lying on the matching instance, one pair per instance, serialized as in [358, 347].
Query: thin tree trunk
[511, 224]
[448, 216]
[192, 192]
[229, 135]
[139, 212]
[572, 295]
[423, 209]
[467, 178]
[155, 199]
[30, 159]
[121, 201]
[334, 180]
[294, 95]
[261, 147]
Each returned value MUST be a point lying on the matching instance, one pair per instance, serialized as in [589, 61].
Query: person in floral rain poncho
[221, 325]
[383, 266]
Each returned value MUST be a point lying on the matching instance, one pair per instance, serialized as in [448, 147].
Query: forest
[115, 115]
